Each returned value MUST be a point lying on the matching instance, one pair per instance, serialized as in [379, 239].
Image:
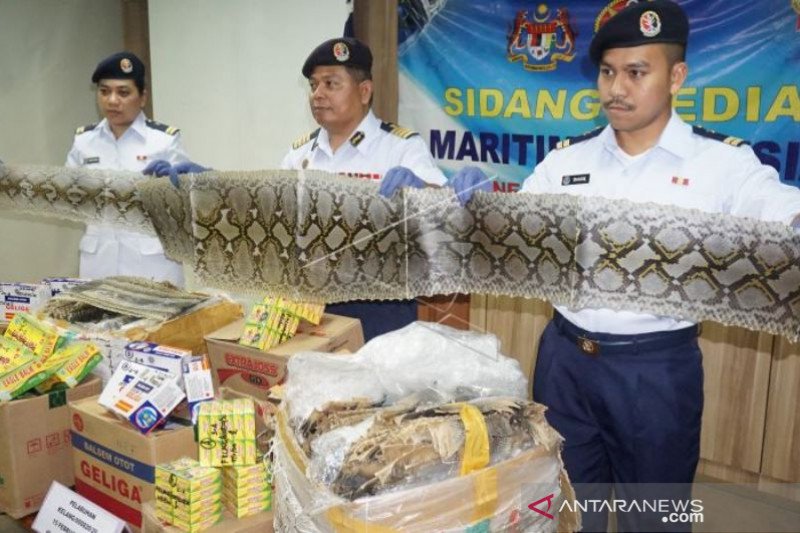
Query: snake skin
[321, 237]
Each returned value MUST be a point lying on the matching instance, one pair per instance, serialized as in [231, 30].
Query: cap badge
[650, 24]
[341, 52]
[125, 65]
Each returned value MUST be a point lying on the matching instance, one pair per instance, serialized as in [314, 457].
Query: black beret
[657, 21]
[120, 66]
[343, 51]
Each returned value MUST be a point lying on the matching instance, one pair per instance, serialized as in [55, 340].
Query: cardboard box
[260, 523]
[22, 298]
[35, 446]
[186, 332]
[253, 371]
[114, 464]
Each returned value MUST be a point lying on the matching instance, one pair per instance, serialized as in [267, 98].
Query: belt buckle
[588, 346]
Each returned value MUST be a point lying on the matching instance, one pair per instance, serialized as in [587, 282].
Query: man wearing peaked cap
[125, 139]
[352, 141]
[624, 388]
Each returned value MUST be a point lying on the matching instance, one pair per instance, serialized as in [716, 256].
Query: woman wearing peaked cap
[124, 140]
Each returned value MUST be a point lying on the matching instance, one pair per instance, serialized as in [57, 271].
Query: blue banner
[499, 83]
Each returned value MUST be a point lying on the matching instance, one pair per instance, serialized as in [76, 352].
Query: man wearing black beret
[124, 140]
[625, 389]
[352, 141]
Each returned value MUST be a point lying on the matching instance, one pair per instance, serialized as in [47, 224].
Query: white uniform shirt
[686, 169]
[374, 148]
[106, 250]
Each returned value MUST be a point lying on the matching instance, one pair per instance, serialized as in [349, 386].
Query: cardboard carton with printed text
[253, 371]
[114, 464]
[35, 446]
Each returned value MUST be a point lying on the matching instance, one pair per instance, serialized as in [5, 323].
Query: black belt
[592, 343]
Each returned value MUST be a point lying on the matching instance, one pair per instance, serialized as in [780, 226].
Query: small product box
[142, 395]
[188, 495]
[226, 432]
[164, 358]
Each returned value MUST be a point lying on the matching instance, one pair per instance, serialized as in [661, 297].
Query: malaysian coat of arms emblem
[540, 42]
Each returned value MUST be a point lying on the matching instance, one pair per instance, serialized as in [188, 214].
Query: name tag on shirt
[575, 179]
[91, 160]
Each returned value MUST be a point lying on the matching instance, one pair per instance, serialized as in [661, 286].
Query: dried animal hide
[121, 295]
[408, 443]
[320, 237]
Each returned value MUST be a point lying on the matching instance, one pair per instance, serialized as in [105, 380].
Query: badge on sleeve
[90, 160]
[575, 179]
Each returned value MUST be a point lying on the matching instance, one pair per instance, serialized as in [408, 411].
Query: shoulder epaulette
[84, 129]
[300, 141]
[169, 130]
[394, 129]
[569, 141]
[721, 137]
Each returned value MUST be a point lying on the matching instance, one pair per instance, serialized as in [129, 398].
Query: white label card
[64, 511]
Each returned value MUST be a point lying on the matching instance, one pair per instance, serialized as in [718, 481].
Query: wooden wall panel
[782, 434]
[736, 363]
[136, 39]
[375, 23]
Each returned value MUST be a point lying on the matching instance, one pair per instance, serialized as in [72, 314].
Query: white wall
[48, 50]
[228, 74]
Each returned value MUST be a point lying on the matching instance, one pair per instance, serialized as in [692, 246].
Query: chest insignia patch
[575, 179]
[91, 160]
[676, 180]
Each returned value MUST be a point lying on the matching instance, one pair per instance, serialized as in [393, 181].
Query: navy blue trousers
[377, 318]
[629, 414]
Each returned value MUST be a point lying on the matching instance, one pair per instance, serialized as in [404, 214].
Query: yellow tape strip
[476, 457]
[476, 441]
[344, 523]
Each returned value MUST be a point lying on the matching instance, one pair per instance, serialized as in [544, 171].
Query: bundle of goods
[188, 495]
[41, 356]
[424, 429]
[116, 301]
[247, 490]
[275, 320]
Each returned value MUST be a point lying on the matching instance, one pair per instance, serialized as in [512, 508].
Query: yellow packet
[80, 359]
[40, 338]
[20, 380]
[13, 355]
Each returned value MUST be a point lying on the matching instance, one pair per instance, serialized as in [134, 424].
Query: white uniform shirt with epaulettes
[689, 167]
[144, 141]
[106, 250]
[373, 148]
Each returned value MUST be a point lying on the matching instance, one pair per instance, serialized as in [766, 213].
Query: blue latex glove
[159, 168]
[187, 167]
[397, 177]
[468, 180]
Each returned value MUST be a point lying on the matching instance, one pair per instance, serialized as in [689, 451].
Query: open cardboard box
[35, 446]
[114, 464]
[254, 371]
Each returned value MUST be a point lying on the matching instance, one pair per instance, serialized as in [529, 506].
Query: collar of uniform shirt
[137, 126]
[676, 137]
[369, 126]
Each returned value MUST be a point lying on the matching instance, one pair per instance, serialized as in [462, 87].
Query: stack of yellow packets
[275, 320]
[246, 490]
[226, 432]
[36, 354]
[188, 495]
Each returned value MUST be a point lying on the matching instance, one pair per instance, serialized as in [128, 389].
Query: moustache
[617, 103]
